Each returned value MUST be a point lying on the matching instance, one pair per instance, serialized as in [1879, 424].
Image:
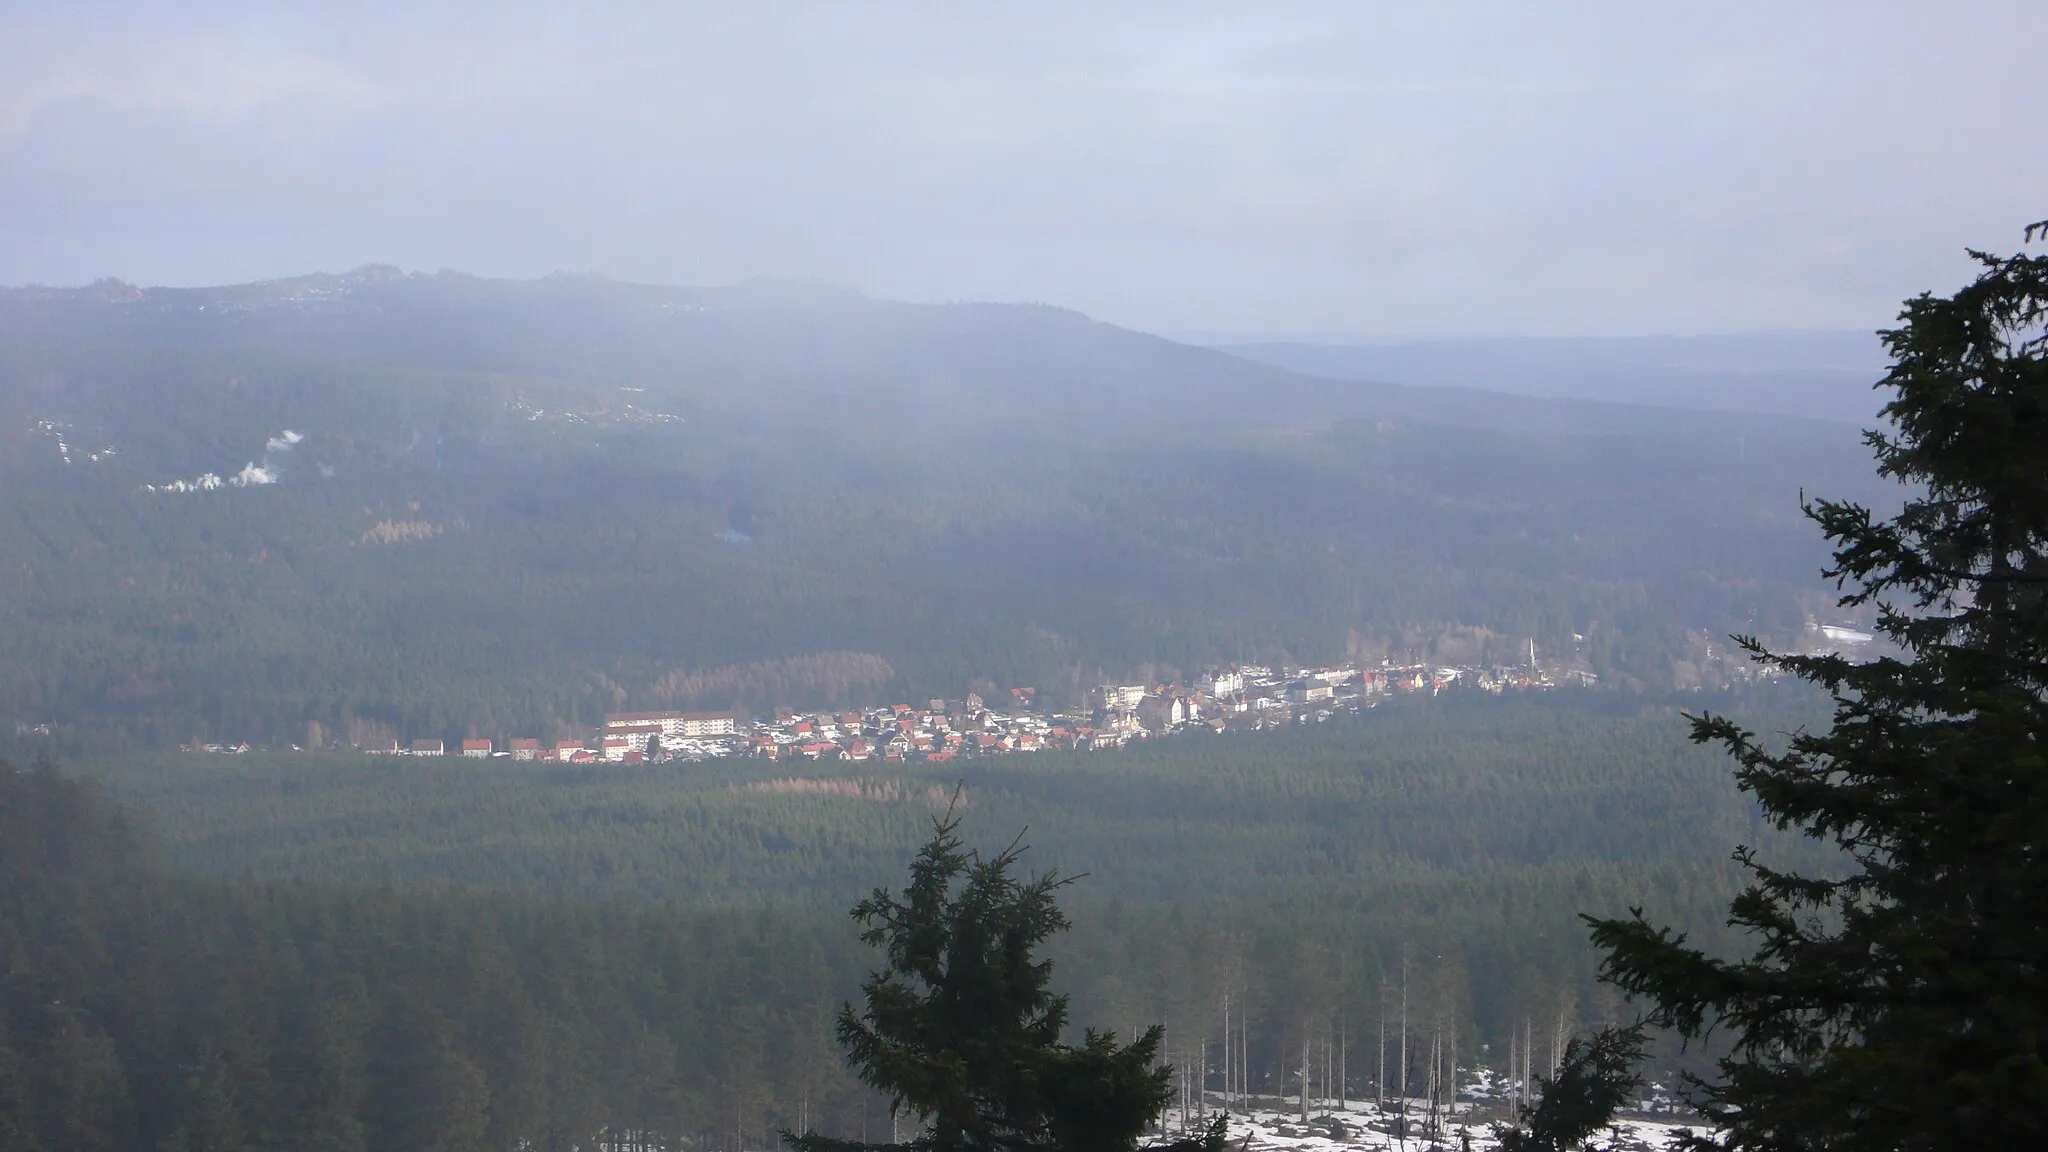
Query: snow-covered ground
[1364, 1126]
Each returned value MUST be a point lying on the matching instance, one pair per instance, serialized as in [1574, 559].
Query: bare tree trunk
[1402, 1094]
[1557, 1042]
[1429, 1079]
[1451, 1049]
[1185, 1070]
[1343, 1070]
[1522, 1075]
[1304, 1073]
[1528, 1062]
[1514, 1085]
[1244, 1056]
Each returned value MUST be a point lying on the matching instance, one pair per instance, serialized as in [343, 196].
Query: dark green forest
[144, 1008]
[274, 946]
[1425, 791]
[516, 506]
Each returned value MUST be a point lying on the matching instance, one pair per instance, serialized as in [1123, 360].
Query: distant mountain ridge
[1821, 375]
[767, 347]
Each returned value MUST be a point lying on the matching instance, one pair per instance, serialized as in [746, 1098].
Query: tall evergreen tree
[961, 1030]
[1903, 1003]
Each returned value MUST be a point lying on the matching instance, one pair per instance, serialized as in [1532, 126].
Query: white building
[676, 724]
[1223, 684]
[1121, 697]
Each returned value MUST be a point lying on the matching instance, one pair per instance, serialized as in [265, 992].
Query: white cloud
[1382, 170]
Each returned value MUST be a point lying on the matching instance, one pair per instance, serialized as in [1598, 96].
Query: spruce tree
[1902, 1003]
[1596, 1077]
[961, 1030]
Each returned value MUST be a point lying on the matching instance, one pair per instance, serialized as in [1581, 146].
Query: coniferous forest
[361, 952]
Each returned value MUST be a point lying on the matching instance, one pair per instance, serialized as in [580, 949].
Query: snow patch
[1365, 1127]
[252, 475]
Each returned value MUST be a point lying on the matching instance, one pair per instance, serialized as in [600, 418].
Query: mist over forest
[454, 506]
[872, 578]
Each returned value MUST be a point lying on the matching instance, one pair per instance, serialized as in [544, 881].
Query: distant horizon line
[1209, 338]
[1199, 337]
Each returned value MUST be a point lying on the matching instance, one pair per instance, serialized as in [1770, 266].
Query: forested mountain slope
[441, 505]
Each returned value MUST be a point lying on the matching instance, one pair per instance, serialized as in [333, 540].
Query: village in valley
[1237, 697]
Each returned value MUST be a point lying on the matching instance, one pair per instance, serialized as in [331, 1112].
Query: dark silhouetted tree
[1903, 1002]
[961, 1031]
[1594, 1080]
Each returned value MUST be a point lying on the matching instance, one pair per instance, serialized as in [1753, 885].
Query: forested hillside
[506, 508]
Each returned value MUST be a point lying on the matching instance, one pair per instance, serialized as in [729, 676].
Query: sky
[1346, 170]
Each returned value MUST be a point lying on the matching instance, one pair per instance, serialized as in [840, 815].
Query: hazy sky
[1385, 170]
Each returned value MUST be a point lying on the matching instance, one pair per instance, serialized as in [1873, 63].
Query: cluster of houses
[1237, 697]
[627, 737]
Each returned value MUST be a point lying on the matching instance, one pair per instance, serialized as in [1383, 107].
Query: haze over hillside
[1821, 375]
[445, 503]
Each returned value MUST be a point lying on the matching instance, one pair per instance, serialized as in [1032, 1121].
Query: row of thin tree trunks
[1198, 1068]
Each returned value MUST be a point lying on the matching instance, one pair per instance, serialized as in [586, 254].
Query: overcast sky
[1380, 170]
